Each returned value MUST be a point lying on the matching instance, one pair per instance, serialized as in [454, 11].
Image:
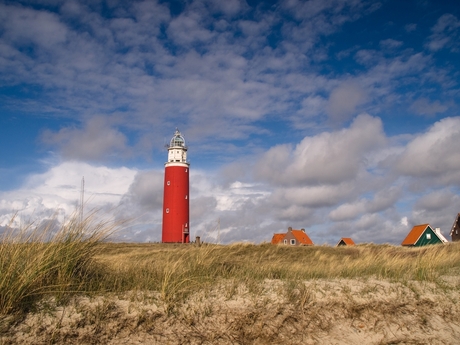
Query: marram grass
[176, 271]
[78, 259]
[38, 261]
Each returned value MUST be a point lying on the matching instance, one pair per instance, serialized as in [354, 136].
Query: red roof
[347, 240]
[302, 237]
[414, 235]
[277, 238]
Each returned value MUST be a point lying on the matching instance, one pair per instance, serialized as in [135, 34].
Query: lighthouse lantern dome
[177, 140]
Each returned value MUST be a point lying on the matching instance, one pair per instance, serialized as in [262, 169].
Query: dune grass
[177, 270]
[39, 262]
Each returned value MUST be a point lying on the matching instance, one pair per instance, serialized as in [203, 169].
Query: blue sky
[337, 116]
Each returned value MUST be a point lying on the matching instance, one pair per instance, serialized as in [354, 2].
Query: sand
[311, 312]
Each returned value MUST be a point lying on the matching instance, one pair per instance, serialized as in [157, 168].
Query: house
[293, 238]
[455, 232]
[345, 241]
[422, 235]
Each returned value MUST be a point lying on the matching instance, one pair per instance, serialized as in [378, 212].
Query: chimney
[303, 230]
[290, 228]
[437, 230]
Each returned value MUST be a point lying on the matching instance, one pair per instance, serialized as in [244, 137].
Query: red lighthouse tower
[176, 227]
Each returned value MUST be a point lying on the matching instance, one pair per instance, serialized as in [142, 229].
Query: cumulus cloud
[439, 208]
[145, 192]
[437, 200]
[381, 201]
[434, 154]
[57, 191]
[328, 158]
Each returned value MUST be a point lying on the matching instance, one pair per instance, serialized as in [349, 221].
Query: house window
[428, 236]
[456, 232]
[285, 241]
[293, 242]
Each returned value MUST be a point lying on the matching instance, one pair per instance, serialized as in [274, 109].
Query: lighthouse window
[167, 210]
[168, 183]
[186, 197]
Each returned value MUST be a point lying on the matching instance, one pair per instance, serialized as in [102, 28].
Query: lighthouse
[176, 228]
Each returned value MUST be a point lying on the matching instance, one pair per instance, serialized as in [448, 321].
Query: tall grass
[177, 270]
[36, 261]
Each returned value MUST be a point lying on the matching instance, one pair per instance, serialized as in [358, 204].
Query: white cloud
[445, 33]
[98, 140]
[437, 200]
[423, 106]
[344, 101]
[328, 158]
[23, 26]
[189, 28]
[58, 191]
[439, 208]
[434, 154]
[381, 201]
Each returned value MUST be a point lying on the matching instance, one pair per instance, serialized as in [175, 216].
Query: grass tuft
[36, 261]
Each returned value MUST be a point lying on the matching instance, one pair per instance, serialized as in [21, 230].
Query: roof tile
[302, 237]
[277, 238]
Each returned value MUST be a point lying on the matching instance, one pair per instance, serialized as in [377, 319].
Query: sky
[337, 116]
